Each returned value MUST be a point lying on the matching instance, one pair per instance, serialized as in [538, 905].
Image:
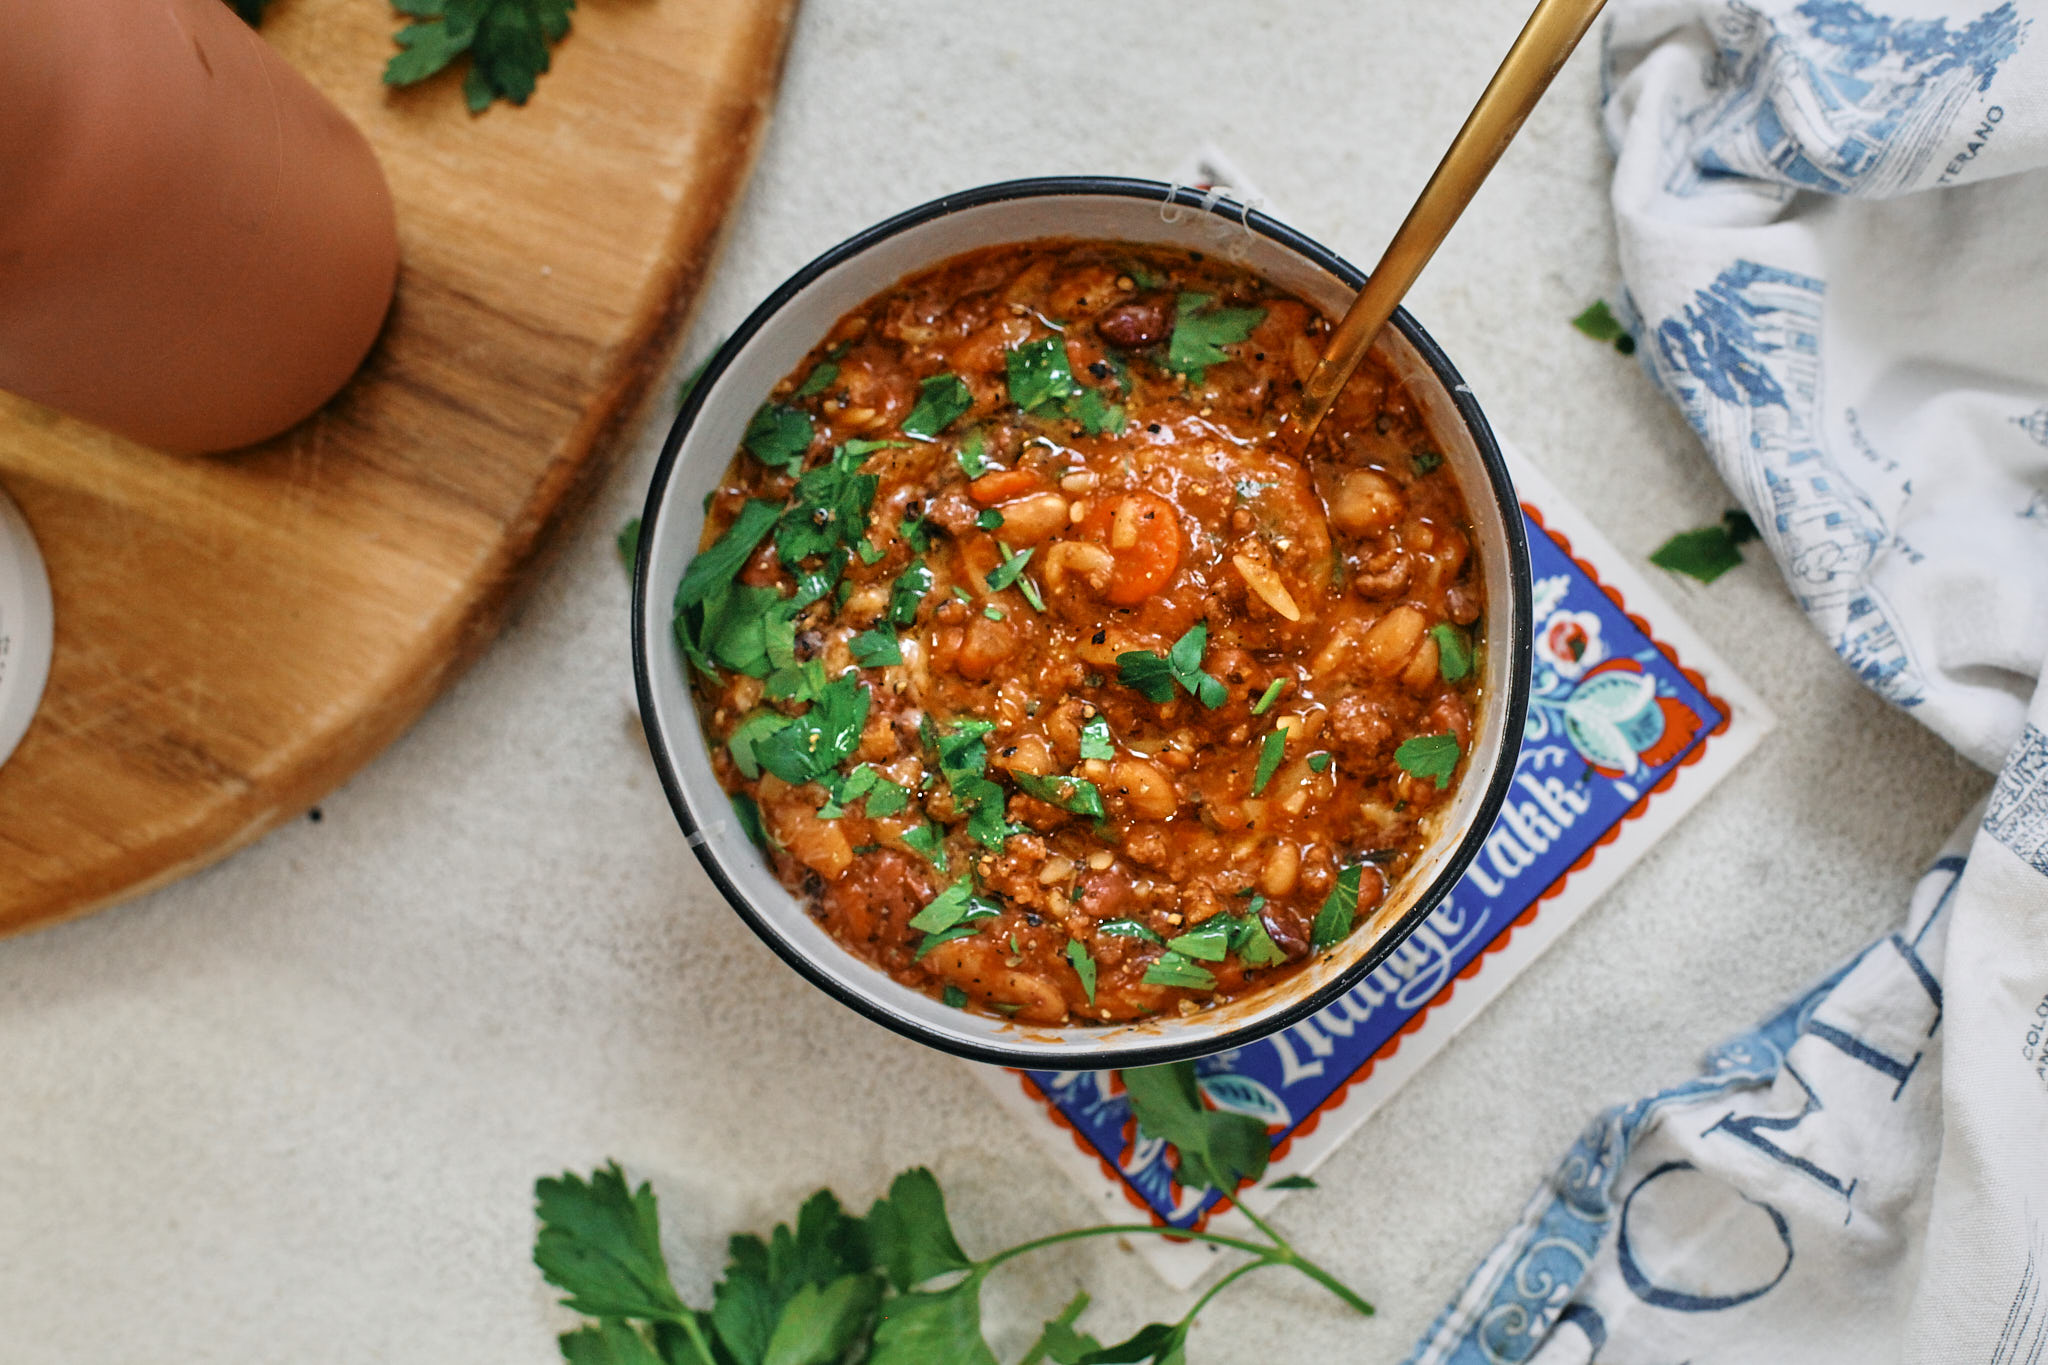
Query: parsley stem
[1279, 1251]
[1217, 1288]
[688, 1322]
[1068, 1316]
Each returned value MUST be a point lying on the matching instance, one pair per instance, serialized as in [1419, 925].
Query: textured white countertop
[292, 1108]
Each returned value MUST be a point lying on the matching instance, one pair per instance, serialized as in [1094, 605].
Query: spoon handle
[1553, 30]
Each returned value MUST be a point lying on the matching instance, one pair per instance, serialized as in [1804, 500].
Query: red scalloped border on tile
[1471, 969]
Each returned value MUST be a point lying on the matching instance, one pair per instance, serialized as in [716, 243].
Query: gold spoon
[1525, 73]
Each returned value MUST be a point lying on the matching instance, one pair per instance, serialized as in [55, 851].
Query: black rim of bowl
[1062, 1057]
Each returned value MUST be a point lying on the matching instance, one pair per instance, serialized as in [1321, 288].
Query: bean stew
[1040, 667]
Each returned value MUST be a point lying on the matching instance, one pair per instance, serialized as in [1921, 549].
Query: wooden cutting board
[237, 634]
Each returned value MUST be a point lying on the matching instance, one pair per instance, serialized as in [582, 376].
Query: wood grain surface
[237, 634]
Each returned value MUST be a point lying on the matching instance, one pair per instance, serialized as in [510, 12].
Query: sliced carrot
[1143, 533]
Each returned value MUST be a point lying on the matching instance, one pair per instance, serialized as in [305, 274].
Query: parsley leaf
[1599, 323]
[1453, 651]
[909, 1233]
[929, 840]
[953, 997]
[1145, 672]
[1339, 912]
[963, 761]
[1084, 966]
[1426, 461]
[1292, 1182]
[1218, 1149]
[876, 648]
[957, 904]
[778, 436]
[1199, 336]
[1059, 1342]
[1270, 750]
[1160, 1342]
[972, 454]
[941, 401]
[1038, 374]
[1708, 552]
[628, 542]
[714, 569]
[1005, 573]
[1209, 941]
[1096, 414]
[1252, 943]
[817, 1325]
[748, 812]
[1175, 969]
[924, 1329]
[1430, 756]
[820, 739]
[819, 379]
[601, 1243]
[909, 589]
[828, 509]
[1268, 697]
[1095, 739]
[1128, 928]
[1319, 762]
[1074, 794]
[989, 519]
[507, 42]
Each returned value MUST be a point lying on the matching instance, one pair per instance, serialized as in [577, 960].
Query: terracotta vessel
[196, 248]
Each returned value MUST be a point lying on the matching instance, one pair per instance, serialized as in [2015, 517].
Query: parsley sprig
[1200, 333]
[507, 42]
[892, 1288]
[1145, 672]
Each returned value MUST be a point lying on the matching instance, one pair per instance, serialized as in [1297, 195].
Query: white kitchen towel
[1833, 226]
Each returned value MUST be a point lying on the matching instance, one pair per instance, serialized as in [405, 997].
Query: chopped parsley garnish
[1270, 750]
[963, 761]
[779, 436]
[829, 507]
[869, 552]
[931, 941]
[883, 796]
[628, 542]
[1200, 333]
[955, 904]
[1146, 672]
[1429, 757]
[1426, 461]
[973, 454]
[909, 589]
[876, 648]
[1005, 573]
[1453, 651]
[820, 739]
[992, 612]
[953, 996]
[989, 519]
[1340, 909]
[941, 401]
[1073, 794]
[1269, 696]
[748, 813]
[1599, 323]
[1293, 1182]
[1084, 966]
[1039, 375]
[1175, 969]
[929, 840]
[709, 602]
[1096, 414]
[1030, 591]
[796, 682]
[1208, 941]
[818, 380]
[1128, 928]
[1319, 762]
[1095, 739]
[1708, 552]
[916, 533]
